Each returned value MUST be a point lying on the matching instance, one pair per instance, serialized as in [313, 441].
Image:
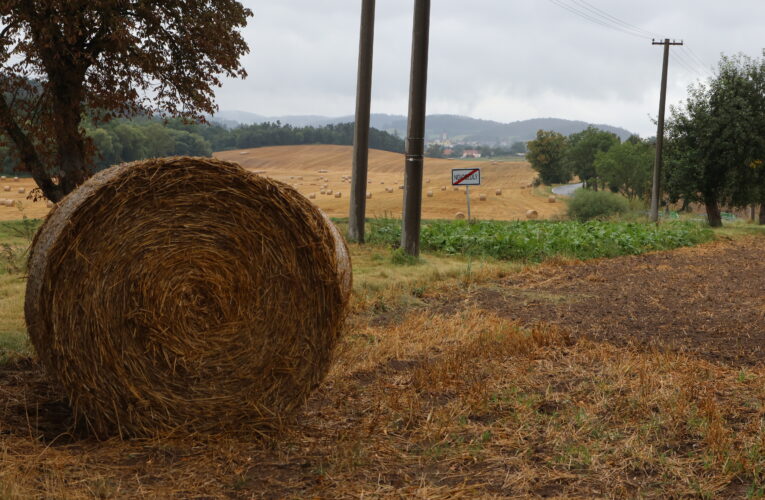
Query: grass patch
[539, 240]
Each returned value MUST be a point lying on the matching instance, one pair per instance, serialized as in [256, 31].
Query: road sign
[466, 177]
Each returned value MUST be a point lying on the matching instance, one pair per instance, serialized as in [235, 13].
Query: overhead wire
[613, 19]
[593, 19]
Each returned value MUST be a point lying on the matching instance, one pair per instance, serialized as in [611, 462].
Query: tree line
[123, 140]
[598, 158]
[714, 152]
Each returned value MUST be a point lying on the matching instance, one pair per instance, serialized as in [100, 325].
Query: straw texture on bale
[186, 294]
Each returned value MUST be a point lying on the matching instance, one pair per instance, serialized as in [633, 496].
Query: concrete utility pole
[415, 138]
[656, 187]
[358, 206]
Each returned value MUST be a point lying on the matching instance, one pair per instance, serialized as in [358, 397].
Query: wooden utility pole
[656, 186]
[415, 136]
[357, 211]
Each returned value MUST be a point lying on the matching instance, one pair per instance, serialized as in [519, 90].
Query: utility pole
[415, 138]
[358, 203]
[656, 187]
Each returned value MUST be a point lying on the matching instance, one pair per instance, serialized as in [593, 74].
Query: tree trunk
[70, 141]
[713, 212]
[28, 154]
[761, 220]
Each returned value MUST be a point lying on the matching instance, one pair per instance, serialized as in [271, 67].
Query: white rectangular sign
[466, 177]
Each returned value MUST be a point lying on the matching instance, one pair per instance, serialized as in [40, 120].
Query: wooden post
[656, 186]
[358, 202]
[415, 141]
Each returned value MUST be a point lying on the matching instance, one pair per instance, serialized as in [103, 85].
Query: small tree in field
[626, 168]
[64, 59]
[546, 154]
[581, 152]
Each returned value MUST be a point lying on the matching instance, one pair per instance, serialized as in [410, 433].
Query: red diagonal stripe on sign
[468, 175]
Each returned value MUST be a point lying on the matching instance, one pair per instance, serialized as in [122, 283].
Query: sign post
[466, 177]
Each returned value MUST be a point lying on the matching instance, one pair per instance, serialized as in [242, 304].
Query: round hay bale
[443, 188]
[329, 192]
[21, 190]
[401, 186]
[15, 179]
[459, 215]
[9, 203]
[338, 195]
[531, 214]
[498, 192]
[312, 196]
[430, 194]
[369, 196]
[551, 198]
[6, 188]
[160, 306]
[427, 181]
[482, 197]
[323, 191]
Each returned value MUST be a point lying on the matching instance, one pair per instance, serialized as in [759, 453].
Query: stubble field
[300, 166]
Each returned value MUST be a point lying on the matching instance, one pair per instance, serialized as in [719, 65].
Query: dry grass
[286, 163]
[426, 404]
[444, 407]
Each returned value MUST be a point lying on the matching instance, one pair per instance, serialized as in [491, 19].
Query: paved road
[566, 190]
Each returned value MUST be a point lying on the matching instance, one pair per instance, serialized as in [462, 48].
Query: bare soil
[708, 301]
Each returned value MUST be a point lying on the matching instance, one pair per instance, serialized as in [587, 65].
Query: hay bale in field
[401, 186]
[21, 190]
[323, 191]
[551, 198]
[443, 188]
[388, 190]
[482, 197]
[531, 214]
[338, 195]
[430, 193]
[427, 181]
[6, 188]
[160, 307]
[312, 196]
[15, 179]
[498, 192]
[329, 192]
[459, 215]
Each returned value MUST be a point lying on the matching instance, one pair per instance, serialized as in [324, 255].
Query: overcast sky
[502, 60]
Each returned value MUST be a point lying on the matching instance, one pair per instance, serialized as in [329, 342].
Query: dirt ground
[300, 166]
[708, 301]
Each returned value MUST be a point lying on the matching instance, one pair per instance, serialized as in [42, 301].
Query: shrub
[586, 205]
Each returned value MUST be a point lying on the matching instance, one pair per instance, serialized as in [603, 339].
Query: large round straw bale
[186, 293]
[9, 203]
[531, 214]
[551, 198]
[6, 188]
[482, 197]
[21, 190]
[498, 192]
[338, 195]
[369, 196]
[459, 215]
[312, 196]
[15, 179]
[430, 193]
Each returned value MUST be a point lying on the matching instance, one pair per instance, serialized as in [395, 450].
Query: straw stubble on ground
[460, 398]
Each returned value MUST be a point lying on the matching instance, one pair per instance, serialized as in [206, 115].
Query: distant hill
[453, 127]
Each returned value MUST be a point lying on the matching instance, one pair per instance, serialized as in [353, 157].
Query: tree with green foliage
[62, 60]
[626, 168]
[546, 154]
[714, 152]
[583, 147]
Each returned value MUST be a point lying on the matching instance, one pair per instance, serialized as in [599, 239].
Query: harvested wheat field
[614, 378]
[15, 203]
[311, 169]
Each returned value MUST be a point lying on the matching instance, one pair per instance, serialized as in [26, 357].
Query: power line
[613, 19]
[593, 19]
